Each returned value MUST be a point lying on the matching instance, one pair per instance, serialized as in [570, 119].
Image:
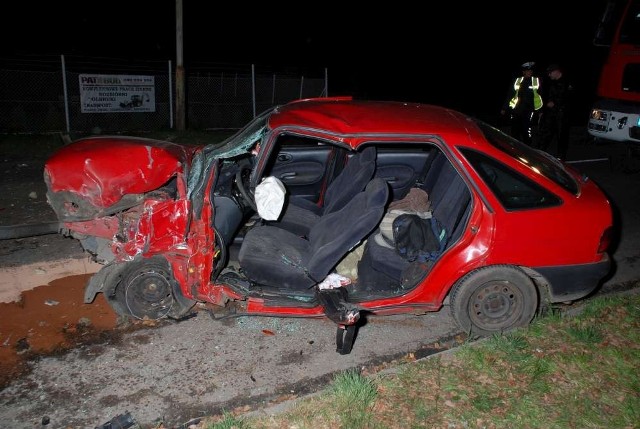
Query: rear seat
[382, 268]
[449, 198]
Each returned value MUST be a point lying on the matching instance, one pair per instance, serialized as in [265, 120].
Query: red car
[335, 208]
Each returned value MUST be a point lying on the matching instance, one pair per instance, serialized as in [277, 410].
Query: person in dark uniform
[555, 121]
[523, 103]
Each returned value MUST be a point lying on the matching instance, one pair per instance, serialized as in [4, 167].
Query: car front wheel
[147, 290]
[494, 299]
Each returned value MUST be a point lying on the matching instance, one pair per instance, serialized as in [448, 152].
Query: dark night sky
[456, 54]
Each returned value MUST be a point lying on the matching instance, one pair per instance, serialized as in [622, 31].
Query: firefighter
[523, 104]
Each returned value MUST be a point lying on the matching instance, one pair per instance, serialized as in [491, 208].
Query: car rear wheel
[147, 290]
[494, 299]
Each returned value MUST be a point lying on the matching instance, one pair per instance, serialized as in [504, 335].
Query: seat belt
[427, 166]
[343, 313]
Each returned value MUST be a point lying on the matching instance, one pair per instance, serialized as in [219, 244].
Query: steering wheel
[243, 176]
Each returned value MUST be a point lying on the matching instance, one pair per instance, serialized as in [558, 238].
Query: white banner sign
[100, 93]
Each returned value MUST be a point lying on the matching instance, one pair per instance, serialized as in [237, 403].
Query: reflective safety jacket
[535, 85]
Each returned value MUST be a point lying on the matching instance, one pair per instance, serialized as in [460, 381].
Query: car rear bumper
[572, 282]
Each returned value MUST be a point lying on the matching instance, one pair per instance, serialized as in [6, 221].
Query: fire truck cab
[615, 114]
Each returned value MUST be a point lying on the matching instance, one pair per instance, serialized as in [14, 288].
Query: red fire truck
[615, 115]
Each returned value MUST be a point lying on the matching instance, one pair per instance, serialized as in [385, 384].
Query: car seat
[273, 256]
[383, 269]
[300, 214]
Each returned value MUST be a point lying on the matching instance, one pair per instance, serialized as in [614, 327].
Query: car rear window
[537, 160]
[515, 191]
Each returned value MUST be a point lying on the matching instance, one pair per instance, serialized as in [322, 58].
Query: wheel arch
[523, 282]
[110, 279]
[104, 281]
[542, 285]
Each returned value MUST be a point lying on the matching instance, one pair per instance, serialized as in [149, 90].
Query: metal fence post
[301, 86]
[170, 98]
[273, 90]
[253, 88]
[326, 82]
[66, 97]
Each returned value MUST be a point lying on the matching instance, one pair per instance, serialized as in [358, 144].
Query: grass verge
[560, 372]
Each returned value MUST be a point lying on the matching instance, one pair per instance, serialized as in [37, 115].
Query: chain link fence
[45, 97]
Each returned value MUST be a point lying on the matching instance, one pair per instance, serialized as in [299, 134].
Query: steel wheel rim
[496, 305]
[148, 295]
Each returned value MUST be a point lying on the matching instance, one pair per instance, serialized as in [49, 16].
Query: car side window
[515, 191]
[302, 164]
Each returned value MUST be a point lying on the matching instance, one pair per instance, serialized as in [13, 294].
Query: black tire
[631, 159]
[148, 290]
[493, 300]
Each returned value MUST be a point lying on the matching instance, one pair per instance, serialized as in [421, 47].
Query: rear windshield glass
[537, 160]
[515, 191]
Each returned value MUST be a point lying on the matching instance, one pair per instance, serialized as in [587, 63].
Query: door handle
[288, 176]
[284, 157]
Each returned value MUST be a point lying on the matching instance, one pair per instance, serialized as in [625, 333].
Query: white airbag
[269, 197]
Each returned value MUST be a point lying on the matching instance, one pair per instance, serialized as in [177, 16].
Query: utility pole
[180, 93]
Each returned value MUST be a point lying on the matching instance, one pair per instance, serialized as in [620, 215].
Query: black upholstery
[449, 198]
[301, 214]
[383, 268]
[276, 257]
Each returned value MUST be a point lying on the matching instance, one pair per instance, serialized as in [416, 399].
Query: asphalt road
[202, 366]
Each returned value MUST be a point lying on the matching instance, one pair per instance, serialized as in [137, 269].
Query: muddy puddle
[50, 319]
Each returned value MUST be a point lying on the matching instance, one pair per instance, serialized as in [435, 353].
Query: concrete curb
[17, 279]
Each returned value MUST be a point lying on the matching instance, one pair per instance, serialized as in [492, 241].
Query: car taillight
[605, 240]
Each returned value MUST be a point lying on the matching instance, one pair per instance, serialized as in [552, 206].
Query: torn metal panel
[101, 171]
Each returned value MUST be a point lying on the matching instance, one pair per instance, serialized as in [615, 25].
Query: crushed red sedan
[336, 208]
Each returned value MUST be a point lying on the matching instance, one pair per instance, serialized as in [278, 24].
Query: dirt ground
[23, 197]
[49, 319]
[47, 322]
[67, 360]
